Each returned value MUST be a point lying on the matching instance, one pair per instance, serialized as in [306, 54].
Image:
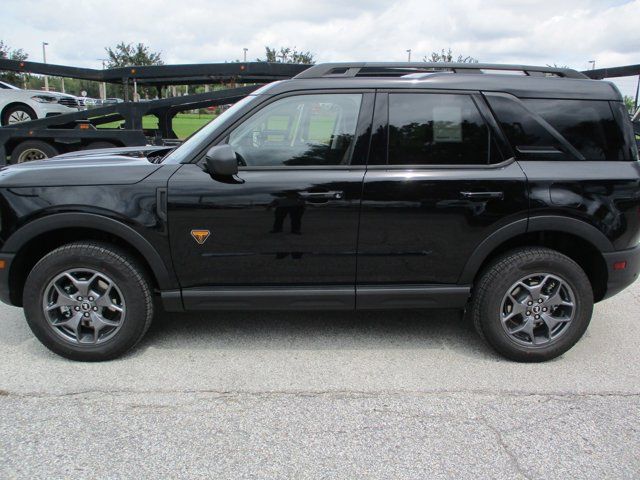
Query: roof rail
[399, 69]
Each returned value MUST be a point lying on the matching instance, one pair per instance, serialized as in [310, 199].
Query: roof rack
[400, 69]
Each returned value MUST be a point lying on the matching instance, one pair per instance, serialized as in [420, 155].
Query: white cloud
[570, 32]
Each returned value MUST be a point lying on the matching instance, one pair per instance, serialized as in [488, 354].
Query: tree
[448, 57]
[629, 103]
[127, 55]
[12, 54]
[287, 55]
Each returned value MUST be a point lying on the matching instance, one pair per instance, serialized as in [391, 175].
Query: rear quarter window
[569, 127]
[588, 125]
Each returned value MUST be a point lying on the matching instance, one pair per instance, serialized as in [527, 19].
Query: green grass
[184, 124]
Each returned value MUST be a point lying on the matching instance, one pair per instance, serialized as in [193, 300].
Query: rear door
[440, 180]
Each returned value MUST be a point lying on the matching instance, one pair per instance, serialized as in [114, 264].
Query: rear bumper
[620, 279]
[5, 293]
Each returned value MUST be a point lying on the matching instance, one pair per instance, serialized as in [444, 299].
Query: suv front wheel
[532, 304]
[88, 301]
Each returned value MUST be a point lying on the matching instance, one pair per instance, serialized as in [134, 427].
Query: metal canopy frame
[614, 72]
[186, 74]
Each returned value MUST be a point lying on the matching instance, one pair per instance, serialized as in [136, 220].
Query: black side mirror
[221, 160]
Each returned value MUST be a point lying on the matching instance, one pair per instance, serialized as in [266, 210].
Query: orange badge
[200, 236]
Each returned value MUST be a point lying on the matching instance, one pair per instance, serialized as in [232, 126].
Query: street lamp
[245, 50]
[408, 55]
[593, 64]
[103, 90]
[44, 60]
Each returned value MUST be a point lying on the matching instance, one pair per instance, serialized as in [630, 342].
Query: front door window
[302, 130]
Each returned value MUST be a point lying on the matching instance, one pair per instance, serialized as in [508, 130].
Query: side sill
[269, 298]
[385, 297]
[365, 297]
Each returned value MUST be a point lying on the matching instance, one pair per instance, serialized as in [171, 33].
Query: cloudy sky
[562, 32]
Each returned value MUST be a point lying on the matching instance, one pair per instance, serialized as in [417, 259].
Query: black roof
[528, 82]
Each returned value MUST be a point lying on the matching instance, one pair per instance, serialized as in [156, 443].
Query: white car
[18, 105]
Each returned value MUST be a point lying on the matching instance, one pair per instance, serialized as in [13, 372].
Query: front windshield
[193, 143]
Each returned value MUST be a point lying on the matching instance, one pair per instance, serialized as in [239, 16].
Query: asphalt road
[323, 395]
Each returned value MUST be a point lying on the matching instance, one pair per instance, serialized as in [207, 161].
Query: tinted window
[437, 129]
[303, 130]
[520, 127]
[587, 125]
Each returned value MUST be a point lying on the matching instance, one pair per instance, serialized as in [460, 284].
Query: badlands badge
[200, 236]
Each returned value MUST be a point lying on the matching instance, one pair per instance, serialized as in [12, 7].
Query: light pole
[408, 55]
[103, 90]
[245, 50]
[44, 60]
[593, 64]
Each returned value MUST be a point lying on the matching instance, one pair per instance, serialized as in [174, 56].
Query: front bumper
[619, 279]
[5, 293]
[44, 110]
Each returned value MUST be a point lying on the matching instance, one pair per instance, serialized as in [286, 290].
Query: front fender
[54, 222]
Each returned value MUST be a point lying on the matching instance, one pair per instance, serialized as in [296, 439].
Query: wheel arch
[575, 238]
[16, 103]
[36, 239]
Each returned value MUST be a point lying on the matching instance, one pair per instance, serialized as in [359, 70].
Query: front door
[290, 216]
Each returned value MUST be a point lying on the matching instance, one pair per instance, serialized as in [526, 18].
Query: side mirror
[221, 160]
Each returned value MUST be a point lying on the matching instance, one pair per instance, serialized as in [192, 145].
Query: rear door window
[438, 129]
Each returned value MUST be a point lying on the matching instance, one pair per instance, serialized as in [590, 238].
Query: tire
[129, 291]
[31, 150]
[22, 111]
[541, 331]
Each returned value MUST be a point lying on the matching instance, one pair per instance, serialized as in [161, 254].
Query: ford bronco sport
[512, 192]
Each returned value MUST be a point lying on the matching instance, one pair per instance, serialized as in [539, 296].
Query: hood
[91, 168]
[146, 151]
[51, 94]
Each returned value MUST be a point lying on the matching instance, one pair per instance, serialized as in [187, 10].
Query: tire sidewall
[490, 310]
[49, 150]
[132, 290]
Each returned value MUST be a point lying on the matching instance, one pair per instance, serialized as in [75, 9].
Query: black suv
[512, 192]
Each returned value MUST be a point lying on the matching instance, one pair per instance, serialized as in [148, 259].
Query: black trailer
[85, 129]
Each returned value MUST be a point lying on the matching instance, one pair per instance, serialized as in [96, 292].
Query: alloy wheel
[18, 116]
[84, 306]
[537, 309]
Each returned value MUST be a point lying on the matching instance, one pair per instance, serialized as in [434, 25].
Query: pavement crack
[221, 393]
[513, 458]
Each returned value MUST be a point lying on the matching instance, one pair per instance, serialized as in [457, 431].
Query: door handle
[482, 195]
[330, 195]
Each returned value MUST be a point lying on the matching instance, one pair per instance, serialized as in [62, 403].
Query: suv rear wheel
[88, 301]
[532, 304]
